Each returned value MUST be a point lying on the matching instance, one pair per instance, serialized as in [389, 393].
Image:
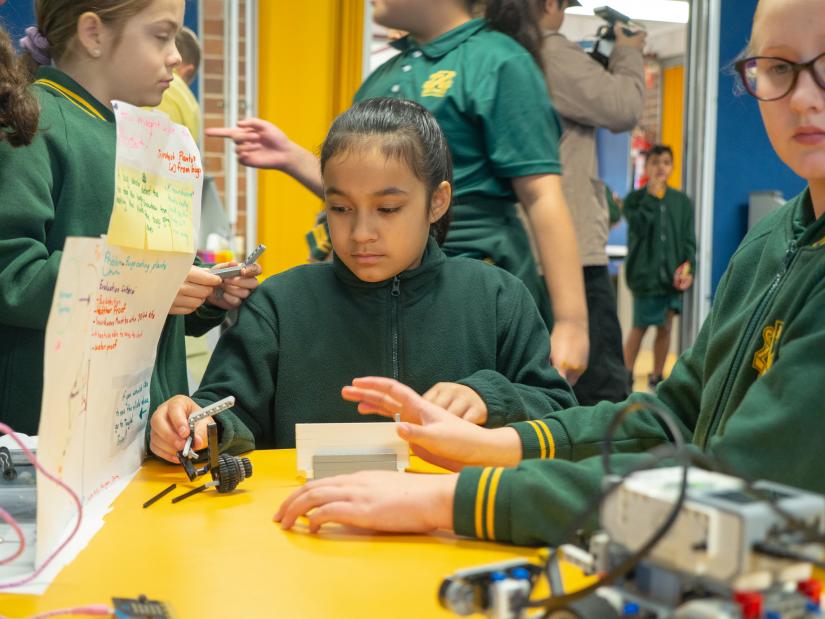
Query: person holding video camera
[588, 95]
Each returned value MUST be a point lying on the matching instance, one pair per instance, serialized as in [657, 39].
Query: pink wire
[96, 609]
[33, 459]
[13, 524]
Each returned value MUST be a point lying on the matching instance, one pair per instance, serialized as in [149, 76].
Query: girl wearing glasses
[748, 394]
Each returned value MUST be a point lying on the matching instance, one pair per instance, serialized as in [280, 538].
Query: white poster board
[110, 304]
[109, 308]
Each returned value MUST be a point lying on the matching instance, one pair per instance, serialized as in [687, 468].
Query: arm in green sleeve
[244, 364]
[206, 317]
[28, 272]
[638, 217]
[524, 385]
[535, 503]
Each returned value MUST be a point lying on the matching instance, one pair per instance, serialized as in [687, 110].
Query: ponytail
[19, 111]
[518, 19]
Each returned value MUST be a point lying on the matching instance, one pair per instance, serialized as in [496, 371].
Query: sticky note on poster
[158, 182]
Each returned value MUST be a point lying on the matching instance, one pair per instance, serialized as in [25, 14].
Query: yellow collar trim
[76, 99]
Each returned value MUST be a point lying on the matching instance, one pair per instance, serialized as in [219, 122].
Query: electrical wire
[18, 531]
[781, 552]
[678, 451]
[33, 459]
[97, 610]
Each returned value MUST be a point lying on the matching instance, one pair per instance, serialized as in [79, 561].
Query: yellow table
[217, 555]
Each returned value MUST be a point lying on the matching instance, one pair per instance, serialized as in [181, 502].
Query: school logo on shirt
[438, 84]
[763, 358]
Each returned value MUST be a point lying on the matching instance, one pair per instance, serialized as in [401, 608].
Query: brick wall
[216, 91]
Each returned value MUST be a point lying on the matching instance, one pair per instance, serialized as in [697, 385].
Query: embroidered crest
[763, 358]
[438, 84]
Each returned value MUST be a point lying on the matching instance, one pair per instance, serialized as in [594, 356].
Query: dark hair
[19, 111]
[408, 133]
[658, 149]
[518, 19]
[189, 47]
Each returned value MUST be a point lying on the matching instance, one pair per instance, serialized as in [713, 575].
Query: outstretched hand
[258, 143]
[434, 434]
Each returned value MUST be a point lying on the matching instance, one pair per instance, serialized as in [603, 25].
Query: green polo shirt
[489, 97]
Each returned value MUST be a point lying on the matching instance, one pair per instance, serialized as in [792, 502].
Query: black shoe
[653, 380]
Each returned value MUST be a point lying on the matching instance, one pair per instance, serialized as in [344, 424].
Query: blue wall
[745, 161]
[16, 16]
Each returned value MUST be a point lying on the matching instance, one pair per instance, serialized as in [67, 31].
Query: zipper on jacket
[395, 293]
[756, 319]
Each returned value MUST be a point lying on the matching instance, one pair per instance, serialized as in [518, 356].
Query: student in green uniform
[660, 258]
[62, 184]
[490, 98]
[748, 393]
[390, 302]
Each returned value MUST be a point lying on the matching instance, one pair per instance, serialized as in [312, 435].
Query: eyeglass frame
[796, 67]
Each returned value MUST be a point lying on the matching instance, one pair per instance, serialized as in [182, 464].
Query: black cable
[781, 552]
[677, 451]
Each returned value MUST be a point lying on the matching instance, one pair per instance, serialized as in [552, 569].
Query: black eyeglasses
[769, 78]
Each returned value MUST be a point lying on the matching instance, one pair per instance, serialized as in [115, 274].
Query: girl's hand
[569, 348]
[170, 428]
[232, 292]
[197, 286]
[258, 143]
[458, 400]
[378, 500]
[434, 434]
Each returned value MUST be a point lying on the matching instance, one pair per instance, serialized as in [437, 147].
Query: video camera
[606, 34]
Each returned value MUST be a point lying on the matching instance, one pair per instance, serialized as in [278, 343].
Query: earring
[96, 53]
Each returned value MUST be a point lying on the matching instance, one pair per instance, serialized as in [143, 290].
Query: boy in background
[178, 101]
[660, 259]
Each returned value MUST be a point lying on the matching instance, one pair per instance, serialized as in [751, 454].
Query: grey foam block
[340, 464]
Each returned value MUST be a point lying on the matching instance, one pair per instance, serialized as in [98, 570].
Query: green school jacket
[306, 333]
[61, 185]
[747, 394]
[660, 237]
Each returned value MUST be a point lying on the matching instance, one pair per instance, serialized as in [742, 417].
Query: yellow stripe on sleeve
[540, 435]
[551, 443]
[482, 487]
[491, 502]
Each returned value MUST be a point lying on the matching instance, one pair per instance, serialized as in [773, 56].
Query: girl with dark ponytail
[19, 111]
[518, 19]
[489, 96]
[464, 332]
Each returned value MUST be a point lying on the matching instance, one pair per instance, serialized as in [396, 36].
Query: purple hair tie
[37, 45]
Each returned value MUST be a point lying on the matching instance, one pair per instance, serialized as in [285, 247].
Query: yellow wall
[673, 93]
[310, 58]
